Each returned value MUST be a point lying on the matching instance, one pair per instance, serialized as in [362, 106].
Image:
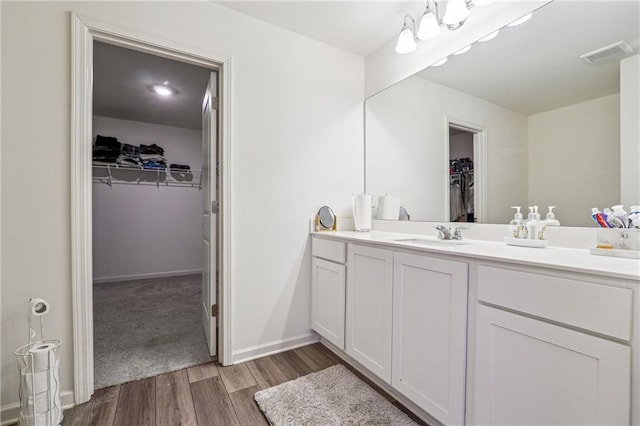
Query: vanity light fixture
[164, 89]
[429, 24]
[456, 14]
[407, 40]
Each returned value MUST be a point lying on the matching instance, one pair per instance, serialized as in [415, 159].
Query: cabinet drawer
[587, 305]
[329, 249]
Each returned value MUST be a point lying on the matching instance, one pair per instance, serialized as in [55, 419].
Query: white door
[327, 300]
[429, 334]
[209, 213]
[528, 372]
[369, 291]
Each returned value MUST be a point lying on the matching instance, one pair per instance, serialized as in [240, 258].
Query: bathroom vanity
[478, 332]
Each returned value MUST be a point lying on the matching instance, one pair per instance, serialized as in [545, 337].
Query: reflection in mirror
[545, 123]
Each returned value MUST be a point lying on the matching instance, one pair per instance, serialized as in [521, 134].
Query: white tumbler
[362, 211]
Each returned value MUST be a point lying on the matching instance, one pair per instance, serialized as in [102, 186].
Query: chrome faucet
[447, 233]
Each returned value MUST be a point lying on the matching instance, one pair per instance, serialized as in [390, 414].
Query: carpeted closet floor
[147, 327]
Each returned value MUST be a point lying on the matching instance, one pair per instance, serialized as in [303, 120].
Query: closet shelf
[114, 174]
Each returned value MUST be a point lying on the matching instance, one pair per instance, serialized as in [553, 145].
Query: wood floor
[208, 394]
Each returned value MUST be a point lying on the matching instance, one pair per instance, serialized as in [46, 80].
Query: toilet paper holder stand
[38, 365]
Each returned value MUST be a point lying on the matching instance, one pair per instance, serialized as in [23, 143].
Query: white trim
[120, 278]
[81, 220]
[479, 166]
[84, 32]
[9, 413]
[274, 347]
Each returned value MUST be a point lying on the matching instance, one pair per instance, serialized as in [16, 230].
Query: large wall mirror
[520, 119]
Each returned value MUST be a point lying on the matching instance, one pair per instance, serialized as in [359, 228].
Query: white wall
[630, 131]
[142, 230]
[406, 130]
[564, 144]
[461, 146]
[293, 101]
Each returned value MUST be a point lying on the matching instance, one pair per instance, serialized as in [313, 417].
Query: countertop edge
[579, 256]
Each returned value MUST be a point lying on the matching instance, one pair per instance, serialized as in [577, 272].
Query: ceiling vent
[608, 53]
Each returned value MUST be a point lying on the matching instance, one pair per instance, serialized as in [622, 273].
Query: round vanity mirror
[326, 217]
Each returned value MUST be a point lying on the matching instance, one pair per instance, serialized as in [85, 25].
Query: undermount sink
[433, 241]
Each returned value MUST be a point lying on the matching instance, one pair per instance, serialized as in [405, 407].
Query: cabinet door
[429, 334]
[327, 300]
[531, 372]
[369, 292]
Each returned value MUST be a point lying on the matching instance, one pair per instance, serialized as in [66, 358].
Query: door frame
[84, 31]
[479, 166]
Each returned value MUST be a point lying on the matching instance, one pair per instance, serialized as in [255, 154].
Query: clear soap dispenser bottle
[532, 225]
[551, 218]
[516, 226]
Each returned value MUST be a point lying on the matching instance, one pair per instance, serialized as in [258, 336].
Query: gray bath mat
[334, 396]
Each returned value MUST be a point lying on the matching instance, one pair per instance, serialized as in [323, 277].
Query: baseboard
[98, 280]
[419, 412]
[9, 413]
[274, 347]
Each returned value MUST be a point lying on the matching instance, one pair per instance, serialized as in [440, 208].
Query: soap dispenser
[516, 226]
[551, 218]
[532, 225]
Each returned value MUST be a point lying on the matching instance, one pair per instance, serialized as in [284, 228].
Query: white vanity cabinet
[550, 369]
[429, 333]
[369, 304]
[328, 275]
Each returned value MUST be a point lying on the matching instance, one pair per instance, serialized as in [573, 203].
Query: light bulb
[440, 62]
[520, 21]
[162, 90]
[429, 27]
[406, 41]
[463, 50]
[456, 13]
[490, 36]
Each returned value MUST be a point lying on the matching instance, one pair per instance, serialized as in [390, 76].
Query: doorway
[461, 184]
[465, 151]
[84, 32]
[152, 149]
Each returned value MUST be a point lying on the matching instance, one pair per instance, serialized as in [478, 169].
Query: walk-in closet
[147, 201]
[461, 176]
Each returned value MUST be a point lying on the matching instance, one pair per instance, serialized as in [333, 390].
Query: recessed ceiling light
[490, 36]
[519, 21]
[463, 50]
[164, 89]
[440, 62]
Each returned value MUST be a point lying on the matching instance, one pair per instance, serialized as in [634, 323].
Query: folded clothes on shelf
[154, 165]
[107, 141]
[130, 150]
[105, 154]
[127, 161]
[180, 167]
[151, 149]
[151, 157]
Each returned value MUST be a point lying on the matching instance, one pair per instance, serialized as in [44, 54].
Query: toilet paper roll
[43, 402]
[388, 208]
[362, 211]
[38, 382]
[39, 306]
[43, 356]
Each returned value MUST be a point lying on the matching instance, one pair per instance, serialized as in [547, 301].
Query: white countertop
[575, 260]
